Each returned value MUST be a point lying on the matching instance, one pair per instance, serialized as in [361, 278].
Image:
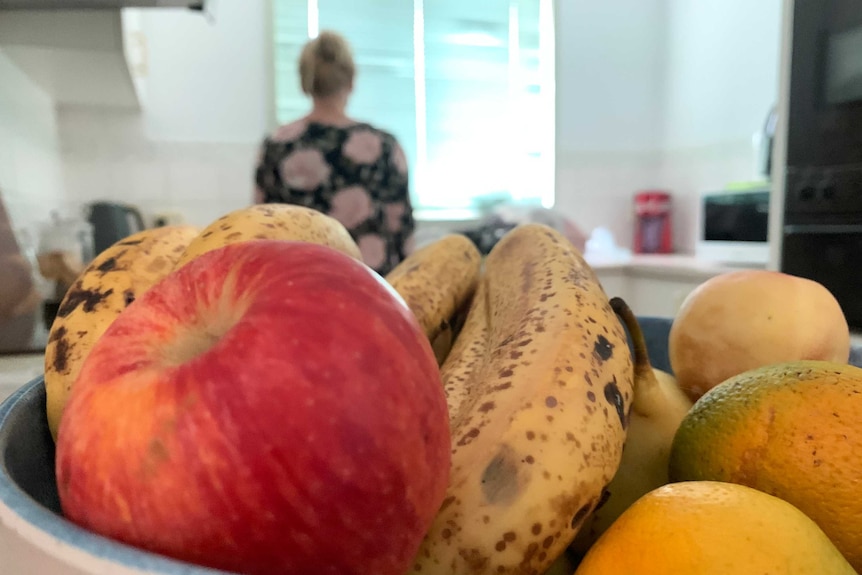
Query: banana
[272, 222]
[442, 344]
[539, 385]
[565, 564]
[658, 408]
[117, 276]
[436, 282]
[469, 352]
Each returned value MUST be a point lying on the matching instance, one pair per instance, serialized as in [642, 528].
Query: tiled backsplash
[61, 158]
[597, 188]
[67, 157]
[108, 155]
[688, 173]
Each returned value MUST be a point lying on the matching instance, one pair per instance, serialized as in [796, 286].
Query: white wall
[208, 81]
[722, 69]
[659, 94]
[651, 94]
[30, 168]
[204, 111]
[610, 72]
[722, 79]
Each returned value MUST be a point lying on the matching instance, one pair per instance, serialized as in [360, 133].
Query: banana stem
[647, 388]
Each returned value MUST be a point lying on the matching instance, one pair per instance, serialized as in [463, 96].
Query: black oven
[822, 228]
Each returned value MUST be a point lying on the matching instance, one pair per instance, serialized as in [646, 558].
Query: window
[466, 87]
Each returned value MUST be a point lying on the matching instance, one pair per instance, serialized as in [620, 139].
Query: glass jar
[65, 247]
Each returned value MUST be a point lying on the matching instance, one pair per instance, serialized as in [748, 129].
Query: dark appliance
[822, 219]
[113, 222]
[768, 143]
[734, 226]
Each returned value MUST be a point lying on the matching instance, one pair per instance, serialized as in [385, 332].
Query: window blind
[466, 87]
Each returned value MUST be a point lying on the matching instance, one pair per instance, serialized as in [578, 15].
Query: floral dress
[356, 174]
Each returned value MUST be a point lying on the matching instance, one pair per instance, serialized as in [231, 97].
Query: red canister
[652, 222]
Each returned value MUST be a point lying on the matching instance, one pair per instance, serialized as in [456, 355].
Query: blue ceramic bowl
[34, 537]
[37, 540]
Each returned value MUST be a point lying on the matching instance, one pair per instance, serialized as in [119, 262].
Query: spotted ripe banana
[437, 281]
[540, 384]
[272, 222]
[117, 276]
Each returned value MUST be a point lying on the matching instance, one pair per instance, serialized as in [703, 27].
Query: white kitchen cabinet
[655, 285]
[615, 281]
[657, 295]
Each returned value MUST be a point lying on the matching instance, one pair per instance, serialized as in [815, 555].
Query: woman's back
[354, 172]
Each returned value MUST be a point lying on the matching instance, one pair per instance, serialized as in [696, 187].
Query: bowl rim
[63, 540]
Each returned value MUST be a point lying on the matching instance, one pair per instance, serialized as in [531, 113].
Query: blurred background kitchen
[649, 125]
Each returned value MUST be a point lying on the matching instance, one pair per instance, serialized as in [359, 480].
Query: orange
[713, 528]
[793, 430]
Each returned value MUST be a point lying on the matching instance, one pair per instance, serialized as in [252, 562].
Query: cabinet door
[660, 297]
[614, 282]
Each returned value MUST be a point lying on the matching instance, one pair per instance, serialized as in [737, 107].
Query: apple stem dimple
[647, 392]
[214, 320]
[189, 344]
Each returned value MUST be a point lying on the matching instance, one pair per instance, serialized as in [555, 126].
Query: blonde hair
[326, 65]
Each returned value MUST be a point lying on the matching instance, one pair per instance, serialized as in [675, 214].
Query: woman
[350, 170]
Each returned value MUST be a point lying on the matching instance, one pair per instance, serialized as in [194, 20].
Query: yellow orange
[713, 528]
[793, 430]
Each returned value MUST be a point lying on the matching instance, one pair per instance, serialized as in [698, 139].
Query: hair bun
[329, 47]
[326, 65]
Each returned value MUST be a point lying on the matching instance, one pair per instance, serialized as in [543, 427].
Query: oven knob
[806, 194]
[828, 192]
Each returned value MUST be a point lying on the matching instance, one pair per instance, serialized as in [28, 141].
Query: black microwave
[734, 226]
[822, 215]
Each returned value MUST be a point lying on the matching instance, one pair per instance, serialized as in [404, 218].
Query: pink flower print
[394, 212]
[373, 250]
[304, 170]
[351, 206]
[363, 147]
[289, 132]
[399, 160]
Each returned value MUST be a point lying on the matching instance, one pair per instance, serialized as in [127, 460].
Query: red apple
[271, 407]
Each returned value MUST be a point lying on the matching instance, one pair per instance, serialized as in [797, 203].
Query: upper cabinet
[77, 56]
[96, 4]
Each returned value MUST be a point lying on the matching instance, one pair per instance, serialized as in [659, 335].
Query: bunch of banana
[437, 283]
[658, 407]
[106, 287]
[539, 385]
[272, 222]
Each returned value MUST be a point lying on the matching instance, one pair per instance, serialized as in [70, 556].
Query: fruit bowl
[34, 536]
[36, 539]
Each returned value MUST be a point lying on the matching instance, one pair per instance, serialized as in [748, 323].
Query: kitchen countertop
[685, 265]
[679, 266]
[16, 370]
